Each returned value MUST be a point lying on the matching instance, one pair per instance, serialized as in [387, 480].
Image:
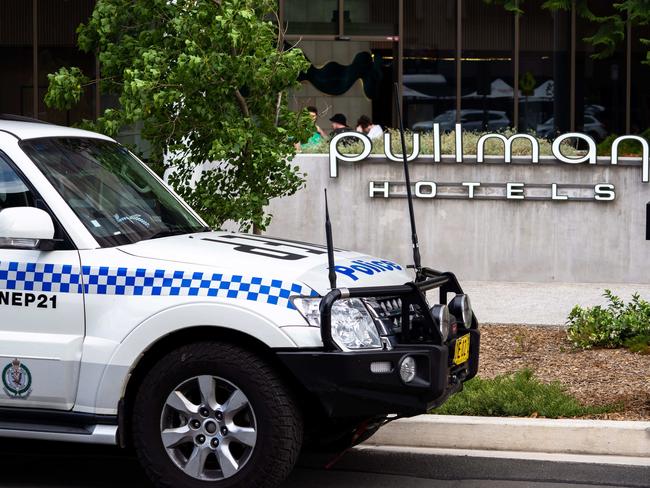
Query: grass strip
[519, 394]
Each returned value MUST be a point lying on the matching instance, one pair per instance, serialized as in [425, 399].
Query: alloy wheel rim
[208, 428]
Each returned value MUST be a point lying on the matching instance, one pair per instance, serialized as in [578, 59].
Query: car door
[41, 309]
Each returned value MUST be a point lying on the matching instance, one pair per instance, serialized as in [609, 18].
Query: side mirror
[25, 227]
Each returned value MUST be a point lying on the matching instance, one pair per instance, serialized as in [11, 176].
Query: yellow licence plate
[461, 353]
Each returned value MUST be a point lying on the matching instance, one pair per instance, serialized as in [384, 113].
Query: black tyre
[212, 414]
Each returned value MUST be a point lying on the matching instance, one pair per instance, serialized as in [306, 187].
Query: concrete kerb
[565, 436]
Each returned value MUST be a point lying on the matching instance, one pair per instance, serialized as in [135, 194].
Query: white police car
[126, 320]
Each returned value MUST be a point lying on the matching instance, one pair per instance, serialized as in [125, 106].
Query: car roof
[32, 130]
[477, 111]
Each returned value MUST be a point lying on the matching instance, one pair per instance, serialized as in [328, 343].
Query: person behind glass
[318, 134]
[365, 125]
[340, 124]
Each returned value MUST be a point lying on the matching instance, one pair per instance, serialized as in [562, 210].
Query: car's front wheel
[215, 415]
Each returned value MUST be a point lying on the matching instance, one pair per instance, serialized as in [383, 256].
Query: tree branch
[243, 106]
[278, 105]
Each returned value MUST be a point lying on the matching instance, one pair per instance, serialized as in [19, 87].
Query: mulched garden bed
[594, 377]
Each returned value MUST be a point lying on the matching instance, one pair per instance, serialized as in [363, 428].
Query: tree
[611, 28]
[208, 80]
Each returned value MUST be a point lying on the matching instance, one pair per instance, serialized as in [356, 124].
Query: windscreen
[115, 196]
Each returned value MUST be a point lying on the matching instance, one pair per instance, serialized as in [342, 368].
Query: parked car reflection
[471, 120]
[591, 126]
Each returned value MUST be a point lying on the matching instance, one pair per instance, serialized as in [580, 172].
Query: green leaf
[178, 69]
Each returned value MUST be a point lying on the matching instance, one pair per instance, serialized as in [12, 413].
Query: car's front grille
[388, 315]
[388, 311]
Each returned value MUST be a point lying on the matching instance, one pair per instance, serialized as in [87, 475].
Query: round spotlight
[461, 308]
[443, 320]
[407, 369]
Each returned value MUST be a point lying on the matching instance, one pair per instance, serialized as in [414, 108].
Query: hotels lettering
[474, 190]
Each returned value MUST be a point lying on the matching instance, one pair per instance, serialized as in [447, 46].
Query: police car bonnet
[260, 256]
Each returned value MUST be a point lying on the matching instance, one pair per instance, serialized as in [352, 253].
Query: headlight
[461, 308]
[352, 325]
[443, 320]
[309, 308]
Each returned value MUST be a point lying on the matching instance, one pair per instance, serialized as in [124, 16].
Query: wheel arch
[168, 343]
[103, 390]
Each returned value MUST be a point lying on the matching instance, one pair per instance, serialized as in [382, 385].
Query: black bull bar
[412, 293]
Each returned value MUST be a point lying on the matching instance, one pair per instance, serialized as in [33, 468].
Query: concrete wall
[499, 240]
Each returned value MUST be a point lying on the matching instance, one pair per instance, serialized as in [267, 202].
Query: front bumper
[344, 383]
[345, 386]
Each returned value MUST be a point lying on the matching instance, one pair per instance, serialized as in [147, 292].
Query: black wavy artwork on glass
[335, 79]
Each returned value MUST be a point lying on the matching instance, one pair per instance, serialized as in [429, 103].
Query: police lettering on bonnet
[216, 356]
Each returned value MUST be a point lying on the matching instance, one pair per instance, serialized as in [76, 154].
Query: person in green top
[318, 134]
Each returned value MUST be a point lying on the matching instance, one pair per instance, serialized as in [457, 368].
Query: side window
[13, 191]
[16, 192]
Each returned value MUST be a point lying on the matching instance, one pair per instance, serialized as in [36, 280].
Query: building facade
[453, 60]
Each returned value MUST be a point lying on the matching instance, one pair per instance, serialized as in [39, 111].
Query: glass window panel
[640, 97]
[114, 196]
[50, 59]
[352, 78]
[316, 17]
[13, 191]
[429, 84]
[57, 41]
[16, 57]
[16, 80]
[57, 24]
[370, 17]
[487, 69]
[600, 83]
[544, 70]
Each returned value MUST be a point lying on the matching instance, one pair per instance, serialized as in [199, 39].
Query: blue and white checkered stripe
[104, 280]
[53, 278]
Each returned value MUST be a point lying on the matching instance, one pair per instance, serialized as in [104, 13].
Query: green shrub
[516, 395]
[615, 325]
[639, 344]
[625, 148]
[493, 147]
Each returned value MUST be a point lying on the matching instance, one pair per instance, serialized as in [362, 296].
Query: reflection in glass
[640, 102]
[352, 78]
[370, 17]
[600, 83]
[429, 82]
[545, 71]
[116, 198]
[57, 46]
[50, 59]
[316, 17]
[15, 57]
[488, 75]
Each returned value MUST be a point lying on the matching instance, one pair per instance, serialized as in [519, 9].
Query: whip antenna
[330, 246]
[414, 235]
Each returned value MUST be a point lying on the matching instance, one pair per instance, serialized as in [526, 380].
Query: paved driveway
[53, 465]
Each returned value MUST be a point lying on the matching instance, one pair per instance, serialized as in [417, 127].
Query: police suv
[216, 356]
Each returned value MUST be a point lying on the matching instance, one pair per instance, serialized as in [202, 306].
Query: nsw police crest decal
[17, 379]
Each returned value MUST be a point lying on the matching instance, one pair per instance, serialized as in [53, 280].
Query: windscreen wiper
[176, 232]
[168, 233]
